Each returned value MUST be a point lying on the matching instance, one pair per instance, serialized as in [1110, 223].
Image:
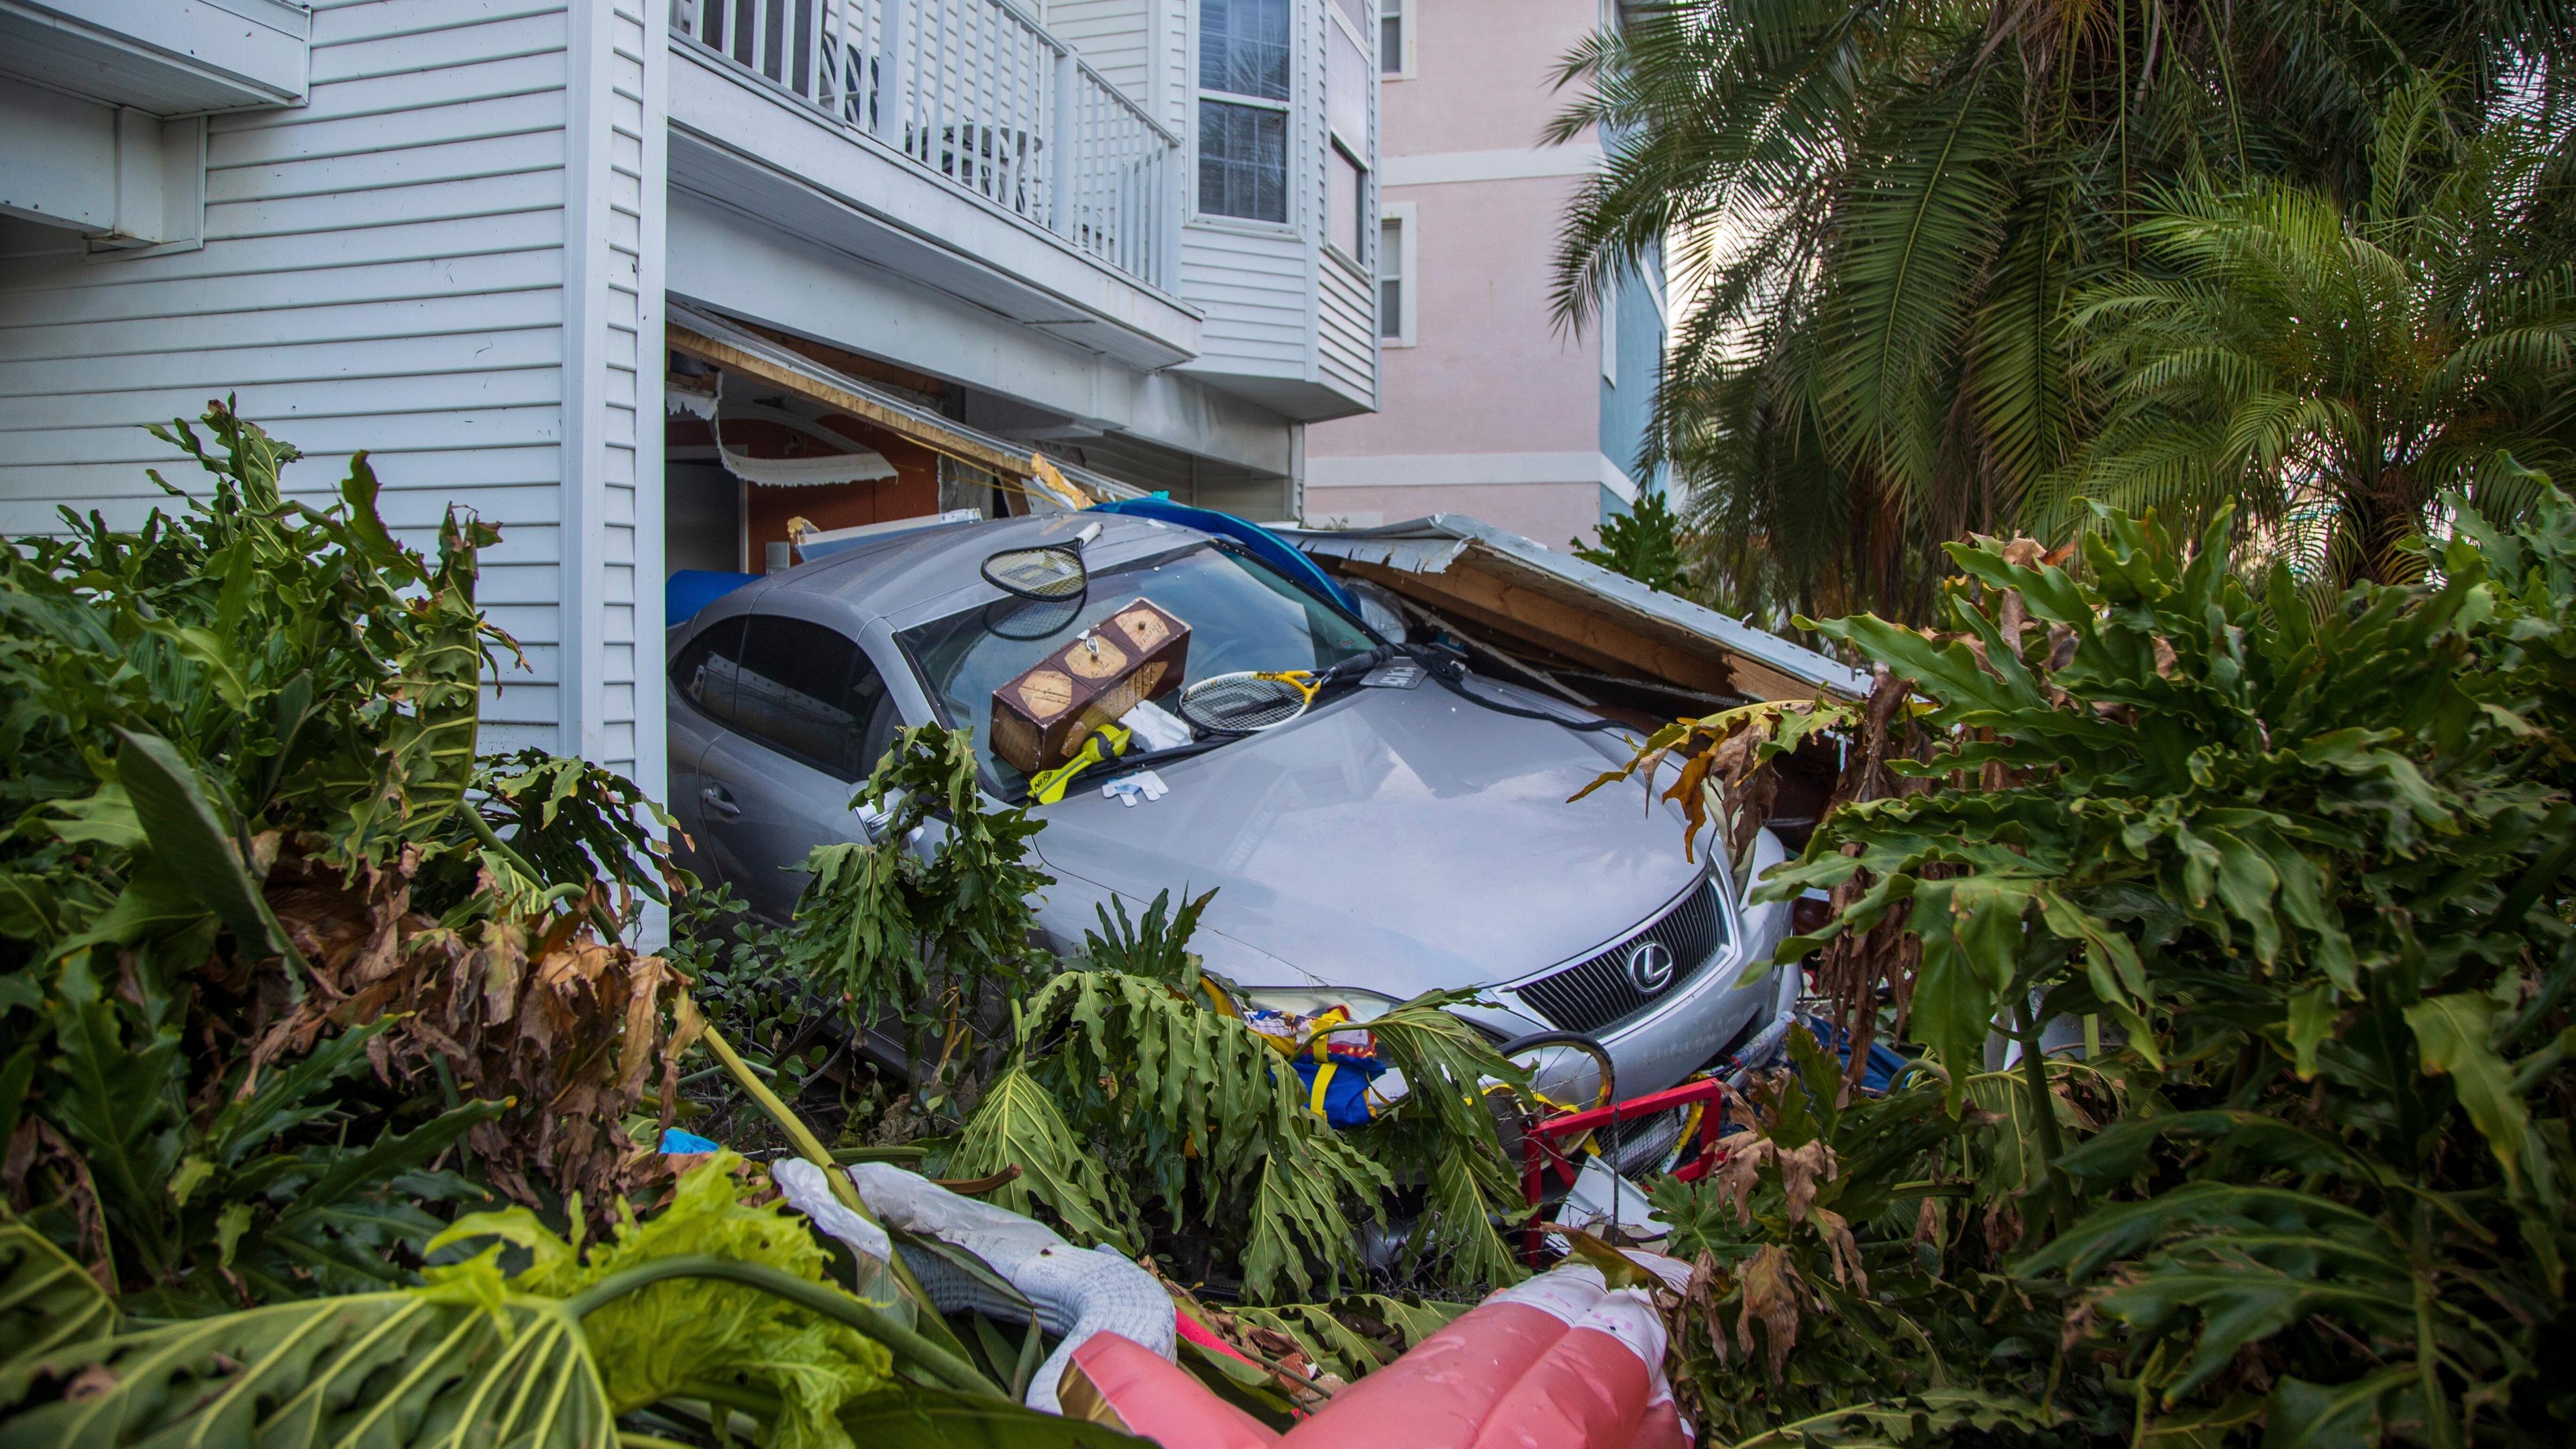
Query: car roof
[901, 576]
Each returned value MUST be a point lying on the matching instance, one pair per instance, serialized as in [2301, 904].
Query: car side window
[811, 692]
[705, 671]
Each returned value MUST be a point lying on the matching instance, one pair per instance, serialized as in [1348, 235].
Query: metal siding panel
[367, 58]
[228, 147]
[410, 166]
[87, 294]
[382, 273]
[246, 367]
[445, 85]
[284, 326]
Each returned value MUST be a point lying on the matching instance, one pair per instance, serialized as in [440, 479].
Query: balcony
[976, 95]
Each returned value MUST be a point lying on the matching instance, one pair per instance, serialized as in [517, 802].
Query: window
[1243, 161]
[704, 674]
[1395, 275]
[1348, 86]
[1394, 38]
[1243, 108]
[810, 692]
[1345, 188]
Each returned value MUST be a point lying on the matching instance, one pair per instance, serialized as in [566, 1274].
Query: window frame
[860, 659]
[1408, 271]
[1361, 213]
[704, 640]
[1401, 12]
[1201, 94]
[1608, 326]
[1353, 149]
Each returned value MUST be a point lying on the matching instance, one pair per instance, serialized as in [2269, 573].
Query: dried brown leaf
[1801, 1169]
[1771, 1291]
[1845, 1250]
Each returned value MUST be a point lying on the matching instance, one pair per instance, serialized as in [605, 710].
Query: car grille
[1599, 994]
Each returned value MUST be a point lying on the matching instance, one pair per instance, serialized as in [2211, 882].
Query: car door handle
[719, 800]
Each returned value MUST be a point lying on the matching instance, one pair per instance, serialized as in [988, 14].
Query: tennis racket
[1249, 700]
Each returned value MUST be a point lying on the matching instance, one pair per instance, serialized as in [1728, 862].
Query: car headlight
[1316, 1000]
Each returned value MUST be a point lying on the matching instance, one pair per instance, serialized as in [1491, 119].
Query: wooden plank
[1525, 613]
[963, 449]
[1754, 679]
[856, 364]
[1585, 635]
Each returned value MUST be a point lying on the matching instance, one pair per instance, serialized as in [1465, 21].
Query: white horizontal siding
[612, 529]
[1254, 289]
[1113, 35]
[382, 270]
[1346, 336]
[1179, 65]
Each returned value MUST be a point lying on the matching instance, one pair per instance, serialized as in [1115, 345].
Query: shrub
[2308, 873]
[265, 955]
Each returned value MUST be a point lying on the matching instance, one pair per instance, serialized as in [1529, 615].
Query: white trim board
[1520, 163]
[1456, 470]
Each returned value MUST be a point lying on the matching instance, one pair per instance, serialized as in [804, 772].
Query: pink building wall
[1492, 410]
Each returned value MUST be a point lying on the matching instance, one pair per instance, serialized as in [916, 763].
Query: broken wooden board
[1522, 590]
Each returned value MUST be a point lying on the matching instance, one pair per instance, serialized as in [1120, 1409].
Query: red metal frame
[1539, 1151]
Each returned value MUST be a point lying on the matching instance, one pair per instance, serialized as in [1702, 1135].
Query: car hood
[1395, 841]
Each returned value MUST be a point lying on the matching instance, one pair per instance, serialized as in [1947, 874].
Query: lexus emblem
[1650, 966]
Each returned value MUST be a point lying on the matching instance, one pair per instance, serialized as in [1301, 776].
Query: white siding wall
[1256, 282]
[612, 530]
[1346, 334]
[1346, 302]
[386, 268]
[1276, 307]
[1114, 35]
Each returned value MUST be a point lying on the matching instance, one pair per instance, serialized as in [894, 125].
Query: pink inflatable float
[1559, 1362]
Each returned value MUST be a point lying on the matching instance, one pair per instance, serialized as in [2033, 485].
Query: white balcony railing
[978, 94]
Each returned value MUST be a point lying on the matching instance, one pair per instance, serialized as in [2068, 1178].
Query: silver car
[1390, 841]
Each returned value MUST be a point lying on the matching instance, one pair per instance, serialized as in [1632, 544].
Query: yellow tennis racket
[1248, 700]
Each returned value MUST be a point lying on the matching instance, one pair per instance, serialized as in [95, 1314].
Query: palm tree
[2331, 370]
[1881, 208]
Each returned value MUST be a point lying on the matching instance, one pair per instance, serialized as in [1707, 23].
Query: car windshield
[1241, 614]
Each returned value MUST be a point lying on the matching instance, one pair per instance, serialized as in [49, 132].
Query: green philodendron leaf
[47, 1301]
[2311, 1025]
[190, 839]
[1971, 944]
[2453, 1035]
[462, 1363]
[1019, 1125]
[2352, 1415]
[104, 817]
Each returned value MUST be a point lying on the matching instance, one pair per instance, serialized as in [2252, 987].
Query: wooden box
[1041, 718]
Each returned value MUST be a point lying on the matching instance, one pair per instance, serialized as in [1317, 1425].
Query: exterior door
[806, 718]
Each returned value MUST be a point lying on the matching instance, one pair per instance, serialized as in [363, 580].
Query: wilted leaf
[1771, 1288]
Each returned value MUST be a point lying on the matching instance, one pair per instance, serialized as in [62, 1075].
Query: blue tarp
[1258, 541]
[686, 592]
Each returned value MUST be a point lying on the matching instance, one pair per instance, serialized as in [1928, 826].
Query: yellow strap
[1324, 1028]
[1323, 1077]
[1047, 786]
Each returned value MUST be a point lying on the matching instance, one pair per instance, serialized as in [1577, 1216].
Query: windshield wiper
[1143, 760]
